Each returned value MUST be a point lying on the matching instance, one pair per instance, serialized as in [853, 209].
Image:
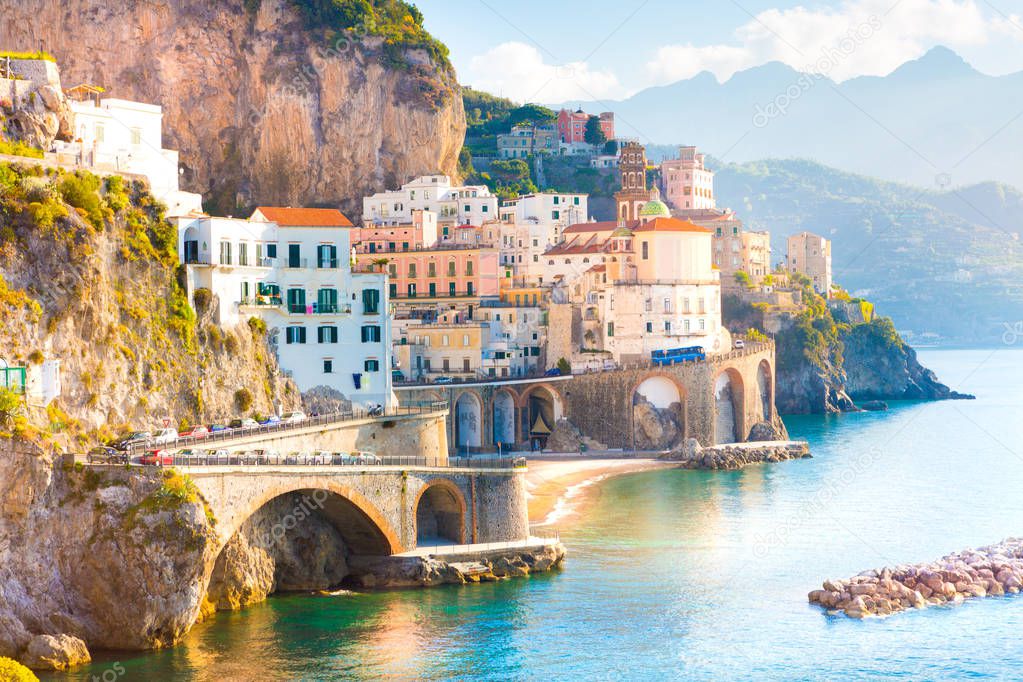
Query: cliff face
[262, 109]
[96, 288]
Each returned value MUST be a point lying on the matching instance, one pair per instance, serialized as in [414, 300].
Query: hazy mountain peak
[937, 64]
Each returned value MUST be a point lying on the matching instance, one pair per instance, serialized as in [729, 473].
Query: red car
[157, 458]
[198, 431]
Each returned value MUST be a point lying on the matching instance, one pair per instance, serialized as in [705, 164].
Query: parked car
[197, 431]
[135, 438]
[104, 454]
[217, 428]
[296, 458]
[164, 437]
[189, 456]
[320, 457]
[272, 420]
[157, 458]
[296, 417]
[739, 343]
[363, 457]
[552, 372]
[443, 380]
[244, 424]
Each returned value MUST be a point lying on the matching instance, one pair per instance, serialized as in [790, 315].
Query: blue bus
[674, 355]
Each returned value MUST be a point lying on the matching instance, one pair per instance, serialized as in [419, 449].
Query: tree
[532, 114]
[564, 366]
[594, 134]
[10, 408]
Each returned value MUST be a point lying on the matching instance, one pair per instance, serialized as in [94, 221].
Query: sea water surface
[696, 575]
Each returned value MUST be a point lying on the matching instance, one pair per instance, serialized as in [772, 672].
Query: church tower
[632, 173]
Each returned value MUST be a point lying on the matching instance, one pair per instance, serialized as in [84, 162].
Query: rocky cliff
[826, 364]
[263, 107]
[89, 277]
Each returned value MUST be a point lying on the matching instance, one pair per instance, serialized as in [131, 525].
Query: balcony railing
[296, 263]
[319, 309]
[437, 294]
[327, 263]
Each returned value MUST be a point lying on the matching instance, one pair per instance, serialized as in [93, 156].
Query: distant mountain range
[948, 262]
[933, 122]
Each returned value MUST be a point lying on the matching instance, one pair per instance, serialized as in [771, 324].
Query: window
[667, 326]
[225, 253]
[136, 136]
[371, 365]
[451, 289]
[485, 208]
[646, 250]
[326, 256]
[295, 334]
[451, 268]
[444, 340]
[465, 340]
[555, 214]
[294, 256]
[326, 301]
[371, 301]
[392, 270]
[649, 327]
[575, 200]
[703, 324]
[412, 270]
[431, 269]
[390, 246]
[296, 301]
[328, 366]
[468, 289]
[433, 289]
[667, 305]
[610, 328]
[685, 326]
[371, 333]
[100, 133]
[271, 251]
[468, 268]
[412, 290]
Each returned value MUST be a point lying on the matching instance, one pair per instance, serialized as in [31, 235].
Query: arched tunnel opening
[440, 516]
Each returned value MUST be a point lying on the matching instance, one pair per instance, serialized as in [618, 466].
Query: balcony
[327, 264]
[295, 263]
[426, 295]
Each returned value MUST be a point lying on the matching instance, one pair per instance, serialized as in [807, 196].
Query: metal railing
[482, 549]
[340, 460]
[355, 414]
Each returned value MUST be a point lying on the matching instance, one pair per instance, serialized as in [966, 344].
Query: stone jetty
[738, 455]
[990, 571]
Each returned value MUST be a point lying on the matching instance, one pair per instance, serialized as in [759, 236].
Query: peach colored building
[810, 254]
[467, 272]
[686, 182]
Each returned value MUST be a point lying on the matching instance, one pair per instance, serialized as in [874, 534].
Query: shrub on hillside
[243, 400]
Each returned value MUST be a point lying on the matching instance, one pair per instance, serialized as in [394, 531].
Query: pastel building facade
[453, 204]
[572, 125]
[686, 182]
[526, 140]
[120, 136]
[810, 255]
[329, 326]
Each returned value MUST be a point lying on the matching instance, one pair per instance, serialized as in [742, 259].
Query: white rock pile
[990, 571]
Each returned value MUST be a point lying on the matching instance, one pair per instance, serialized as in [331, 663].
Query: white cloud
[518, 71]
[883, 38]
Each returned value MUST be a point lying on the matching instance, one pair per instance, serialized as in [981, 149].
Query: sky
[556, 51]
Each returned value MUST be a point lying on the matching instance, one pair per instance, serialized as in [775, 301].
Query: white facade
[466, 205]
[514, 346]
[328, 325]
[116, 135]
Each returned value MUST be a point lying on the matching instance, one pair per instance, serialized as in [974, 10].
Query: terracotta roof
[671, 225]
[305, 217]
[597, 268]
[576, 246]
[599, 226]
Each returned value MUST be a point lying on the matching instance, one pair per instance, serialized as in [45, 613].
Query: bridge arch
[658, 412]
[541, 407]
[503, 413]
[468, 420]
[765, 391]
[729, 407]
[360, 524]
[440, 513]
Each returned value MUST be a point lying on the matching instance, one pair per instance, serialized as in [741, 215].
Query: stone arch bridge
[636, 407]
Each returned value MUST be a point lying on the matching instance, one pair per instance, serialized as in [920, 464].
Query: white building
[464, 205]
[291, 267]
[120, 136]
[533, 223]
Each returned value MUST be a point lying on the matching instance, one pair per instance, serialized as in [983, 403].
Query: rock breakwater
[738, 455]
[991, 571]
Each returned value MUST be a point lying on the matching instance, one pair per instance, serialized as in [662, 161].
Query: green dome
[655, 208]
[622, 232]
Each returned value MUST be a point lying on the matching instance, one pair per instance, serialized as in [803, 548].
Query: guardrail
[342, 460]
[354, 414]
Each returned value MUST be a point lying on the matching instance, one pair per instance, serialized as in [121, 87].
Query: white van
[164, 436]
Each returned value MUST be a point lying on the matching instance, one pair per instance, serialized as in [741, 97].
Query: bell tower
[632, 176]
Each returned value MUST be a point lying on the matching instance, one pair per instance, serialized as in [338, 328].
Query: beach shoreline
[555, 484]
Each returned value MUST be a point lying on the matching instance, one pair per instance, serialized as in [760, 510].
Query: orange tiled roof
[305, 217]
[600, 226]
[671, 225]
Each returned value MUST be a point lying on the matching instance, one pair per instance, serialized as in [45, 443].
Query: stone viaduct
[639, 407]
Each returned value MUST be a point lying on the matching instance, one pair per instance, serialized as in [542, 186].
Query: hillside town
[440, 282]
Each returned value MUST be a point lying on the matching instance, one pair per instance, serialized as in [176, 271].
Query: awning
[539, 426]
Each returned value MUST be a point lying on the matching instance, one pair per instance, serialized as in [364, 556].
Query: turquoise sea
[696, 575]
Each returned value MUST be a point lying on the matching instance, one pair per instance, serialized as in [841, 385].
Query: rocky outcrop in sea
[737, 455]
[990, 571]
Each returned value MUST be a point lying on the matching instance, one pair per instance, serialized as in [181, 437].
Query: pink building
[420, 233]
[572, 125]
[687, 184]
[445, 272]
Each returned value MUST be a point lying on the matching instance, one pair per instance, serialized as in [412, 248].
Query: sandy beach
[553, 483]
